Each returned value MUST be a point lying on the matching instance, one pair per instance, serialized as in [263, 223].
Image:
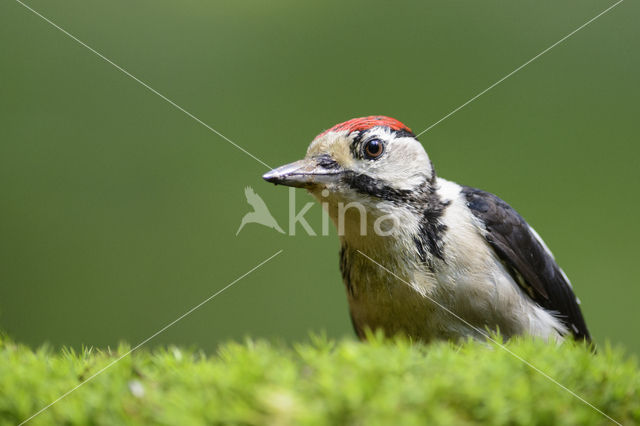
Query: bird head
[370, 159]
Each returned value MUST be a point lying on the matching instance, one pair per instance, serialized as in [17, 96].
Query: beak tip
[271, 177]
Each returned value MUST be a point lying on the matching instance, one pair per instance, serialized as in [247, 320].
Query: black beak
[302, 174]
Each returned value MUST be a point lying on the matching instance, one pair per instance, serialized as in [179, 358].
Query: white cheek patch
[404, 164]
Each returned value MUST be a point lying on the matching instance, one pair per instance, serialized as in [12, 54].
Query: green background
[118, 212]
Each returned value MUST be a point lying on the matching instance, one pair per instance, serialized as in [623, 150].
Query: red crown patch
[366, 123]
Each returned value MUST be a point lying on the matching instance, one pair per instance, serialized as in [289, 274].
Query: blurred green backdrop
[118, 212]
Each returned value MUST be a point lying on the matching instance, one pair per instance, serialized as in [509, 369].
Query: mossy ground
[321, 382]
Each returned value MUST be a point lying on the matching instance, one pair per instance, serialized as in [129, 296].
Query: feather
[527, 259]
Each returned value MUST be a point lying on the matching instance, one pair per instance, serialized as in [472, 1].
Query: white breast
[471, 282]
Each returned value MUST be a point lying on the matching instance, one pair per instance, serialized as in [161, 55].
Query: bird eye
[373, 149]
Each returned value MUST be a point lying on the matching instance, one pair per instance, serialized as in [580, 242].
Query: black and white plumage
[450, 245]
[527, 259]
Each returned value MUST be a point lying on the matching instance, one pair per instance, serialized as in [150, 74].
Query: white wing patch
[542, 243]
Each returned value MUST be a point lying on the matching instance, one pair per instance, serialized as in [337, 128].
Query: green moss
[322, 382]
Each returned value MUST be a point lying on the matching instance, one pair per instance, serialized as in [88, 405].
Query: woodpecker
[453, 261]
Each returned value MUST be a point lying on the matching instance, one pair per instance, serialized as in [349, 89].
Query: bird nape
[424, 256]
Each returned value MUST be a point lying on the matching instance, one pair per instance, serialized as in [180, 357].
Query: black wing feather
[529, 263]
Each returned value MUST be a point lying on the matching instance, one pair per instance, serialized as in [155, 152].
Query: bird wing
[527, 259]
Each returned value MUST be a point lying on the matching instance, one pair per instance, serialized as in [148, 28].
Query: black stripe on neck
[429, 240]
[367, 185]
[424, 201]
